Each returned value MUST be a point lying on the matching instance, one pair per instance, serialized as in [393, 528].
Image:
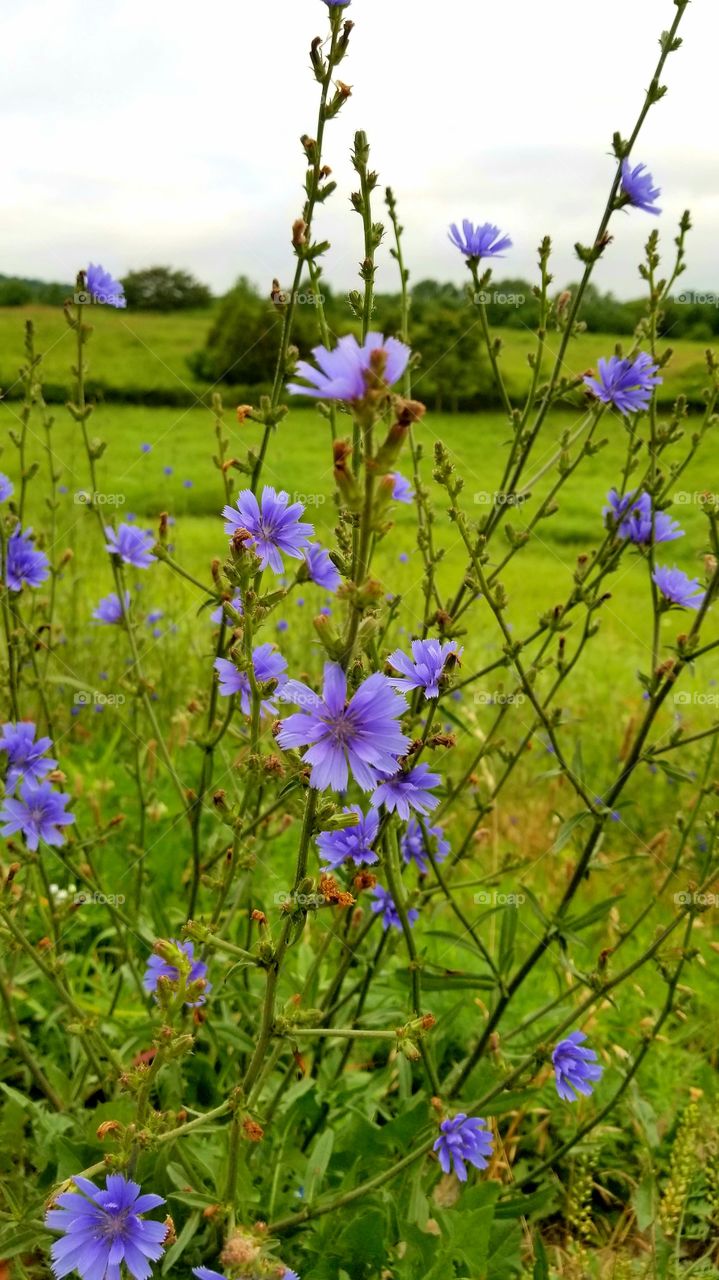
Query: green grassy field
[146, 354]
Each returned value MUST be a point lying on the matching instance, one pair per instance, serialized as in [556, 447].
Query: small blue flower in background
[25, 756]
[353, 843]
[109, 609]
[343, 372]
[463, 1139]
[25, 566]
[320, 568]
[403, 557]
[39, 814]
[154, 616]
[7, 487]
[625, 384]
[274, 525]
[268, 665]
[407, 791]
[486, 241]
[677, 588]
[134, 546]
[426, 666]
[146, 448]
[384, 905]
[414, 847]
[217, 614]
[637, 521]
[283, 625]
[402, 490]
[638, 187]
[103, 1228]
[575, 1068]
[187, 484]
[103, 288]
[158, 968]
[361, 735]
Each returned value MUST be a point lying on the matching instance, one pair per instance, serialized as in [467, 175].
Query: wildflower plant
[322, 1030]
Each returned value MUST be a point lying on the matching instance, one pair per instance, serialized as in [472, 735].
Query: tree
[162, 289]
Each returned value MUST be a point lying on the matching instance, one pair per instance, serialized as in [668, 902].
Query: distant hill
[18, 291]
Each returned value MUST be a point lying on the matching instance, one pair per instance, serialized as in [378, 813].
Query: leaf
[573, 924]
[567, 829]
[541, 1264]
[182, 1241]
[317, 1163]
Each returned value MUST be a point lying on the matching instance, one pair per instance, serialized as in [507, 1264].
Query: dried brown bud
[299, 231]
[252, 1130]
[243, 410]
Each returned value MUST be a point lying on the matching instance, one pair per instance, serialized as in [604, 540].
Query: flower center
[115, 1223]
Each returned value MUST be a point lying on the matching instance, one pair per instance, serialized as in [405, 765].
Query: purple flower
[402, 490]
[102, 1229]
[158, 968]
[103, 288]
[677, 588]
[154, 616]
[7, 488]
[407, 791]
[109, 610]
[463, 1139]
[384, 905]
[353, 843]
[25, 757]
[425, 668]
[343, 372]
[167, 471]
[331, 4]
[273, 524]
[187, 484]
[220, 612]
[636, 520]
[145, 448]
[25, 566]
[638, 188]
[268, 663]
[486, 241]
[361, 735]
[206, 1273]
[625, 384]
[414, 845]
[132, 545]
[39, 814]
[574, 1067]
[320, 568]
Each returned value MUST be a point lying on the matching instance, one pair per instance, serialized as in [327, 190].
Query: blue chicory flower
[109, 609]
[575, 1068]
[103, 288]
[101, 1229]
[677, 588]
[636, 520]
[320, 568]
[268, 664]
[25, 755]
[39, 814]
[626, 384]
[407, 791]
[343, 372]
[426, 666]
[221, 611]
[351, 843]
[384, 905]
[25, 566]
[132, 545]
[273, 524]
[461, 1139]
[638, 187]
[414, 846]
[486, 241]
[7, 487]
[158, 968]
[402, 490]
[361, 735]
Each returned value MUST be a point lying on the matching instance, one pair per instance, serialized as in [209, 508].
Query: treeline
[151, 289]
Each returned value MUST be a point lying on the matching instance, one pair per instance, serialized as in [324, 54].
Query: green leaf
[317, 1163]
[568, 828]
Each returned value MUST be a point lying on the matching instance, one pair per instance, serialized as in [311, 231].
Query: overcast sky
[138, 132]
